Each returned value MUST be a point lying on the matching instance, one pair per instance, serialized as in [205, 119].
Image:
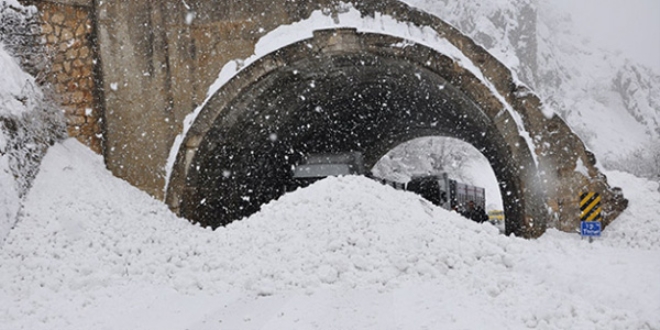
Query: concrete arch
[340, 91]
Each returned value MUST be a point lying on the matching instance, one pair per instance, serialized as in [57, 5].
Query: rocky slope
[612, 103]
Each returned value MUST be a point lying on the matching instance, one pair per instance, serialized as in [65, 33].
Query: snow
[581, 168]
[619, 26]
[9, 196]
[13, 103]
[589, 97]
[91, 251]
[12, 82]
[14, 3]
[589, 87]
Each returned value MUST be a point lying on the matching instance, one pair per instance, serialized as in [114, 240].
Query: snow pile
[350, 231]
[639, 226]
[88, 242]
[358, 233]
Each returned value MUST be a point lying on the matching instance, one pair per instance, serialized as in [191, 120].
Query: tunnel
[348, 91]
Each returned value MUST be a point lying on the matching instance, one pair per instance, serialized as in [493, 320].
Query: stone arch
[340, 91]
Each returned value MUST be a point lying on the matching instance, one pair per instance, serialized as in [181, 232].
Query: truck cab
[318, 166]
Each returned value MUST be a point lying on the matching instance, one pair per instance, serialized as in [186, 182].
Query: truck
[437, 189]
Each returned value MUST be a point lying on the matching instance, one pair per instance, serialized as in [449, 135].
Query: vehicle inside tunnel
[343, 103]
[443, 164]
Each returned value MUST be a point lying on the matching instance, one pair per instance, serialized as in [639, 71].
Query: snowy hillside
[612, 103]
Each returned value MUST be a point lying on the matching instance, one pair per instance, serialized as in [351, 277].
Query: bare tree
[426, 156]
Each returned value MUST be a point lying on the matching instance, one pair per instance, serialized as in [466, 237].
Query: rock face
[158, 60]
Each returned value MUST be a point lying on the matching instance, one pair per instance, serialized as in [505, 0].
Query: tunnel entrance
[362, 95]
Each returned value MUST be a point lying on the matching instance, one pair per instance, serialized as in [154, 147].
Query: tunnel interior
[325, 104]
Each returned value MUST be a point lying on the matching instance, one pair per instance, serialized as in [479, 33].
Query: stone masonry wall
[67, 34]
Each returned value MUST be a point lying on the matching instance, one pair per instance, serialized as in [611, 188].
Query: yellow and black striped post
[590, 207]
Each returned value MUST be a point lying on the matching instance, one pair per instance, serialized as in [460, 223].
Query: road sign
[590, 228]
[590, 207]
[590, 217]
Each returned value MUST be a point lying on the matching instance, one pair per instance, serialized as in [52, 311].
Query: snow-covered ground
[93, 252]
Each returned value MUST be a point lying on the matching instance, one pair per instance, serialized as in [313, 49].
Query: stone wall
[68, 36]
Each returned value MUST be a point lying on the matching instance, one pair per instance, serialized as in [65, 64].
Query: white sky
[632, 26]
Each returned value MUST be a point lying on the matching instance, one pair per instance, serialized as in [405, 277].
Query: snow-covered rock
[28, 124]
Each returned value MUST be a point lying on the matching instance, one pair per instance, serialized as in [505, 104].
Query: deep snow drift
[91, 251]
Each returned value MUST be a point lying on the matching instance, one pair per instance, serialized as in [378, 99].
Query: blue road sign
[590, 228]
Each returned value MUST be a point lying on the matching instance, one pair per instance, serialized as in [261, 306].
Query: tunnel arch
[343, 91]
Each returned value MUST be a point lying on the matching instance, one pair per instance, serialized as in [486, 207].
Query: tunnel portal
[149, 65]
[351, 98]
